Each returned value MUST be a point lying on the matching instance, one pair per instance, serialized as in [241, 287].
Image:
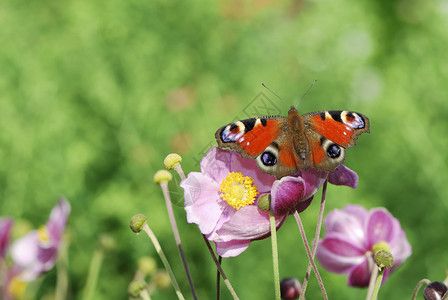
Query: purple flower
[37, 252]
[5, 228]
[222, 198]
[351, 234]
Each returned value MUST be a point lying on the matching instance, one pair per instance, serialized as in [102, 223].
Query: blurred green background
[94, 95]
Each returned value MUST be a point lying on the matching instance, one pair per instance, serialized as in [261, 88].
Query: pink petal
[349, 222]
[338, 256]
[248, 223]
[248, 167]
[360, 275]
[24, 250]
[58, 220]
[203, 203]
[5, 229]
[343, 176]
[231, 248]
[381, 226]
[401, 249]
[216, 163]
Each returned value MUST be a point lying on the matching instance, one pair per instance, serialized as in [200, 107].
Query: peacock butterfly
[283, 145]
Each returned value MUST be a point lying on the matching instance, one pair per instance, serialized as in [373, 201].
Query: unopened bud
[380, 246]
[162, 176]
[147, 265]
[107, 242]
[172, 160]
[138, 222]
[136, 287]
[162, 280]
[434, 291]
[264, 202]
[290, 288]
[383, 259]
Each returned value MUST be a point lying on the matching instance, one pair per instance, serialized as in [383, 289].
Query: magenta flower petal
[5, 229]
[381, 226]
[348, 222]
[336, 262]
[350, 235]
[343, 176]
[36, 252]
[360, 275]
[288, 192]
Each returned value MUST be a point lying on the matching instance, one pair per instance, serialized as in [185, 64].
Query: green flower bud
[136, 287]
[264, 202]
[147, 265]
[383, 259]
[137, 223]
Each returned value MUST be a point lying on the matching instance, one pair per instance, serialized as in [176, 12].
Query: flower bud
[264, 202]
[380, 246]
[162, 176]
[136, 287]
[107, 242]
[383, 259]
[162, 280]
[434, 291]
[137, 223]
[147, 265]
[290, 288]
[172, 160]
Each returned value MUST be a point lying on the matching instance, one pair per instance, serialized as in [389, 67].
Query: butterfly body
[283, 145]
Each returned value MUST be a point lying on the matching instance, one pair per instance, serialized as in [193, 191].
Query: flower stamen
[238, 190]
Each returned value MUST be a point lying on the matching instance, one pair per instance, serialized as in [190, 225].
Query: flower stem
[145, 295]
[418, 286]
[218, 280]
[311, 263]
[164, 260]
[373, 277]
[275, 256]
[378, 283]
[94, 271]
[62, 277]
[169, 207]
[315, 243]
[220, 270]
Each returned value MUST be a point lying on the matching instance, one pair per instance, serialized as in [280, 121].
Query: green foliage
[94, 95]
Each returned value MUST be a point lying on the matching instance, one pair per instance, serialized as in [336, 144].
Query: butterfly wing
[329, 133]
[265, 139]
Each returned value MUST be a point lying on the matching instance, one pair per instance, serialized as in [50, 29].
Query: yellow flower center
[237, 190]
[16, 287]
[42, 232]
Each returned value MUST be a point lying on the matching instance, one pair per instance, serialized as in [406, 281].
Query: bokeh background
[94, 95]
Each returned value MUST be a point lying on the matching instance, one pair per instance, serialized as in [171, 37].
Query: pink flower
[5, 228]
[37, 252]
[222, 198]
[351, 233]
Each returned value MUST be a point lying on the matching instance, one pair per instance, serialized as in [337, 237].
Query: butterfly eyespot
[268, 159]
[334, 151]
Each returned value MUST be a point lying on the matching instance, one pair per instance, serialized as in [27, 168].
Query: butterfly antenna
[275, 94]
[314, 82]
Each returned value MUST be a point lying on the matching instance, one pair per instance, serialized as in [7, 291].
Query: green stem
[164, 260]
[373, 277]
[378, 283]
[94, 271]
[218, 280]
[275, 256]
[62, 277]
